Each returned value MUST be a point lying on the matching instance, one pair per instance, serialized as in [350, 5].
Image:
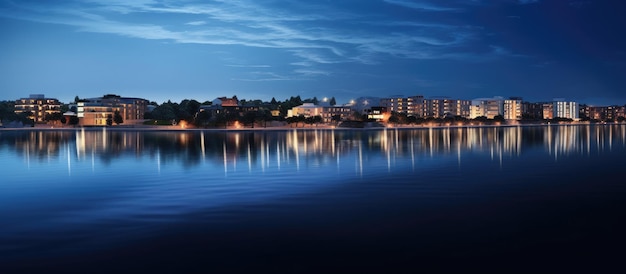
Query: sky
[259, 49]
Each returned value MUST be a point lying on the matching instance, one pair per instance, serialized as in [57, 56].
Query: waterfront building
[513, 108]
[306, 110]
[487, 107]
[342, 112]
[377, 114]
[364, 105]
[411, 106]
[223, 106]
[96, 111]
[565, 109]
[547, 110]
[440, 107]
[532, 111]
[38, 107]
[601, 113]
[326, 111]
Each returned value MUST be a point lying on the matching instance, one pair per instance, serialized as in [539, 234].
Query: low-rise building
[487, 107]
[38, 107]
[306, 110]
[97, 111]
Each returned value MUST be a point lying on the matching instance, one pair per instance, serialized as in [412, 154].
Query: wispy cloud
[249, 66]
[196, 23]
[311, 72]
[262, 76]
[419, 5]
[327, 37]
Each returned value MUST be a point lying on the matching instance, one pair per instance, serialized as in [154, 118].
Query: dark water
[504, 199]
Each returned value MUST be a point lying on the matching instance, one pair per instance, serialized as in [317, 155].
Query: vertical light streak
[332, 143]
[28, 155]
[296, 148]
[104, 138]
[360, 163]
[225, 159]
[278, 154]
[159, 161]
[262, 150]
[267, 154]
[202, 146]
[611, 138]
[69, 163]
[430, 140]
[588, 135]
[249, 159]
[413, 153]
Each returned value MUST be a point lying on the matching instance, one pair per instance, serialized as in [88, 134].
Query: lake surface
[509, 199]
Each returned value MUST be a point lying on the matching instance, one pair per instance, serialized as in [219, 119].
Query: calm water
[507, 198]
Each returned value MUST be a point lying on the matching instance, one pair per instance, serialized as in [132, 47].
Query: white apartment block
[565, 109]
[513, 109]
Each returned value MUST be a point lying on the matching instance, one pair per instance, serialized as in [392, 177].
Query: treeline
[248, 113]
[8, 115]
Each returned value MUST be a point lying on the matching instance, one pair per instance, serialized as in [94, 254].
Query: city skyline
[177, 50]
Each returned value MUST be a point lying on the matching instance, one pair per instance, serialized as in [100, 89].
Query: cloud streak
[419, 5]
[312, 38]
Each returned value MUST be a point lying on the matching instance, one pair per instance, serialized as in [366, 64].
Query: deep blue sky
[259, 49]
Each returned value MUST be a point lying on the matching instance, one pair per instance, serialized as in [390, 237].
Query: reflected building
[303, 147]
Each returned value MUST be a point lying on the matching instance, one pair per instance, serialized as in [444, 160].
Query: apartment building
[38, 106]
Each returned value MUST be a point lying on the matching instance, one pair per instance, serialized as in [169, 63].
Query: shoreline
[283, 128]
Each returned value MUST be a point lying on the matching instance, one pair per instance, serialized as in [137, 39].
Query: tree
[394, 119]
[498, 118]
[109, 119]
[333, 101]
[249, 118]
[164, 112]
[117, 118]
[73, 120]
[187, 109]
[202, 118]
[53, 117]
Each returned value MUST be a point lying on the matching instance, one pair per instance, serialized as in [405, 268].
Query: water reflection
[272, 149]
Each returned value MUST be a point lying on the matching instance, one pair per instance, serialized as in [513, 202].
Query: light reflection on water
[126, 181]
[274, 148]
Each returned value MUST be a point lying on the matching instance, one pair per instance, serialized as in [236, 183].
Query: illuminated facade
[565, 109]
[444, 107]
[513, 108]
[602, 113]
[547, 110]
[487, 107]
[39, 106]
[328, 112]
[306, 110]
[96, 111]
[411, 106]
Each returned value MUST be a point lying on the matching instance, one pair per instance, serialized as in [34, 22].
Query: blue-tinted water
[507, 198]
